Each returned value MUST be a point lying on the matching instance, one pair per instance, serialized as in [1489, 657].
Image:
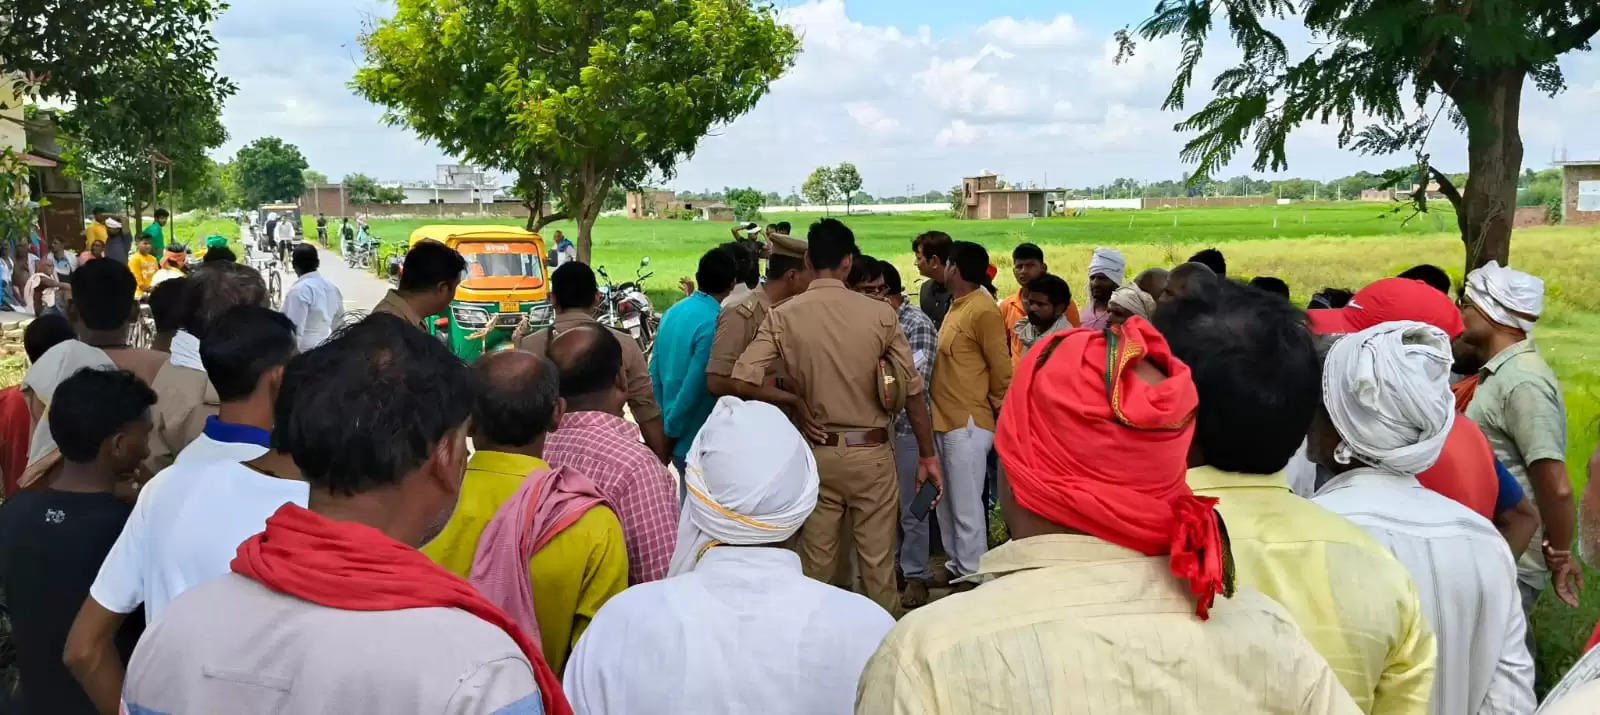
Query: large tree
[576, 96]
[363, 189]
[1398, 61]
[269, 169]
[846, 182]
[819, 187]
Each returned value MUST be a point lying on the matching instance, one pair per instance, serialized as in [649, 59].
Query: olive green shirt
[1518, 405]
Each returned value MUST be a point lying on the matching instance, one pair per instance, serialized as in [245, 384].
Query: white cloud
[956, 133]
[869, 117]
[1009, 31]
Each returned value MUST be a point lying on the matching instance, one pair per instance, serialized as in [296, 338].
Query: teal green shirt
[158, 241]
[678, 368]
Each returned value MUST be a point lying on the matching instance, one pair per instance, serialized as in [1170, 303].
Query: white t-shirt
[187, 525]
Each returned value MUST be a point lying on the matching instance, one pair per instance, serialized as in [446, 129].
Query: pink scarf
[548, 501]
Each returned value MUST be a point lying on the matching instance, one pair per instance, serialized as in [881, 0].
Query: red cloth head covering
[354, 567]
[1091, 446]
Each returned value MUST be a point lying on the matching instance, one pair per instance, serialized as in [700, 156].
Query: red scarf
[355, 567]
[1091, 446]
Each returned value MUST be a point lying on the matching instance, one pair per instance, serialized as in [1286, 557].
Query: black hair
[214, 288]
[972, 262]
[829, 243]
[161, 214]
[242, 345]
[428, 264]
[719, 269]
[1272, 285]
[747, 262]
[933, 244]
[778, 264]
[891, 279]
[97, 211]
[166, 302]
[102, 291]
[1255, 365]
[515, 405]
[304, 258]
[48, 331]
[1331, 298]
[573, 285]
[93, 405]
[592, 366]
[1430, 274]
[1053, 287]
[1027, 252]
[143, 238]
[1213, 259]
[865, 269]
[783, 227]
[221, 254]
[369, 406]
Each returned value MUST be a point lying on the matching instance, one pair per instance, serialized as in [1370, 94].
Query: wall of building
[1194, 202]
[1570, 215]
[1528, 216]
[429, 195]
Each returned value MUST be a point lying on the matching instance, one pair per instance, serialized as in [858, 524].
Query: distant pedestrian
[314, 303]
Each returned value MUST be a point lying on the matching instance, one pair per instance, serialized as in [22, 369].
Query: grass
[1311, 246]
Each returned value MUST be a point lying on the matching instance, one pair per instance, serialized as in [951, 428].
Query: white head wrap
[1107, 262]
[1387, 389]
[1502, 293]
[751, 480]
[1134, 300]
[52, 369]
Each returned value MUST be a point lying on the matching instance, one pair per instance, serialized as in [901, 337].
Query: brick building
[1580, 192]
[982, 198]
[648, 204]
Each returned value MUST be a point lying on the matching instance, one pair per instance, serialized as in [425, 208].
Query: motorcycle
[626, 307]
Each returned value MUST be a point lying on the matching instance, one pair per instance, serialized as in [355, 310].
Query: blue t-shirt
[1510, 493]
[678, 368]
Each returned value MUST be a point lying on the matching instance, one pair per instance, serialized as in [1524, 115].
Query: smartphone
[923, 502]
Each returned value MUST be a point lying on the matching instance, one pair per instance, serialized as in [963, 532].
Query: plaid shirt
[924, 339]
[607, 448]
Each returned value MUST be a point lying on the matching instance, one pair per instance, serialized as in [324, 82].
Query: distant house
[1377, 195]
[648, 204]
[982, 198]
[1580, 192]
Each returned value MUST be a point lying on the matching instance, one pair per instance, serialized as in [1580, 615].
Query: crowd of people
[1212, 498]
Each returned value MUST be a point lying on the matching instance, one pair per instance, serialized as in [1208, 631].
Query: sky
[916, 94]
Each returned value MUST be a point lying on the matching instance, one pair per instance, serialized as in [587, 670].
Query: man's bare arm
[655, 437]
[91, 655]
[1552, 492]
[1517, 525]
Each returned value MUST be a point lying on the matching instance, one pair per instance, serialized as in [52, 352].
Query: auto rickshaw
[505, 283]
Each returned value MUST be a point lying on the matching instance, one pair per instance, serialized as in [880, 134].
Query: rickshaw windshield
[503, 260]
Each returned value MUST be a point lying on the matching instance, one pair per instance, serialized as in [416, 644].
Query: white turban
[1108, 262]
[1387, 389]
[751, 480]
[1134, 300]
[1508, 296]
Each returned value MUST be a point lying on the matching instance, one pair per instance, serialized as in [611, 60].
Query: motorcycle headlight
[469, 317]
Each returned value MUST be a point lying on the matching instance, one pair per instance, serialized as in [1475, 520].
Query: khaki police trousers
[858, 483]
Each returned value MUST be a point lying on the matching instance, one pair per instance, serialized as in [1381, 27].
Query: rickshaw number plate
[630, 323]
[510, 306]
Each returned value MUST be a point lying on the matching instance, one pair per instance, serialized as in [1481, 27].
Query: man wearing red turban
[1106, 595]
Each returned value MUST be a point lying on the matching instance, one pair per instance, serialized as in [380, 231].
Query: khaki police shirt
[393, 304]
[829, 339]
[736, 329]
[635, 369]
[184, 399]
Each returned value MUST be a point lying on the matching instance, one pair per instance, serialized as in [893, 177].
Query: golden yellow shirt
[572, 576]
[144, 268]
[1074, 624]
[973, 369]
[1351, 598]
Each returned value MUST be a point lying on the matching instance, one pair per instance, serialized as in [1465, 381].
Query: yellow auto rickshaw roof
[445, 233]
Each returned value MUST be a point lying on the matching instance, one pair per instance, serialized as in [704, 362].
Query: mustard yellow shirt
[1073, 624]
[973, 369]
[1351, 598]
[572, 576]
[144, 268]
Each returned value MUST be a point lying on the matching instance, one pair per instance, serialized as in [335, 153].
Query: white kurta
[743, 633]
[1465, 579]
[314, 304]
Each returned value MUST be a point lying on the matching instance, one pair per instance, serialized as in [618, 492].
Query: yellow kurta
[572, 576]
[1074, 624]
[1353, 600]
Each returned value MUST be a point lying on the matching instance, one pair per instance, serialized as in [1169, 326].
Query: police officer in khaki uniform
[831, 340]
[787, 276]
[428, 281]
[575, 292]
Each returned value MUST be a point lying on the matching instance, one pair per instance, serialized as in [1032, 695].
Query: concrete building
[982, 198]
[648, 204]
[1580, 192]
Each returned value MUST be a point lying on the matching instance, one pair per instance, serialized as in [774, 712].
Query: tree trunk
[1494, 162]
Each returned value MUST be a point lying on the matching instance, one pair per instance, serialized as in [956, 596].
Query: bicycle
[142, 332]
[266, 263]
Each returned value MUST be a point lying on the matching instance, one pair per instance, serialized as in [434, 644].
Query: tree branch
[1572, 36]
[1450, 192]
